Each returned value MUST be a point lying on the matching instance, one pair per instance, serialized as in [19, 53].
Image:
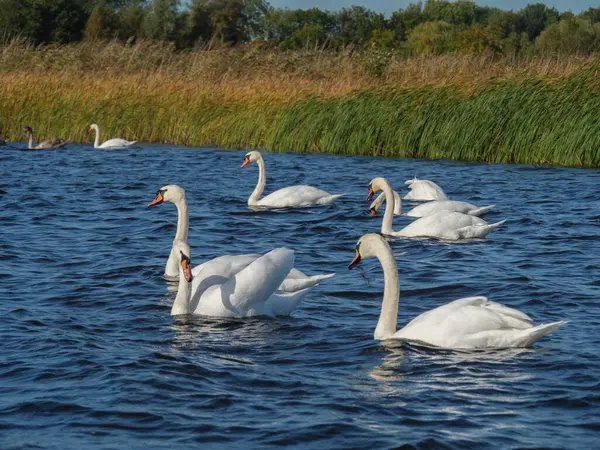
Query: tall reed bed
[454, 107]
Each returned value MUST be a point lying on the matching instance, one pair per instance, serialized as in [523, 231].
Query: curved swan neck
[184, 293]
[386, 224]
[97, 138]
[388, 318]
[260, 186]
[182, 220]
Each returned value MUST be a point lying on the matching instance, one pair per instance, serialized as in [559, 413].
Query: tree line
[432, 27]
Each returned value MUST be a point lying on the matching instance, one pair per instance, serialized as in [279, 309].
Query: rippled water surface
[91, 358]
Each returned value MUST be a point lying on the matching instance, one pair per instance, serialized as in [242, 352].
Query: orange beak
[157, 201]
[89, 130]
[187, 270]
[246, 162]
[371, 193]
[372, 212]
[355, 261]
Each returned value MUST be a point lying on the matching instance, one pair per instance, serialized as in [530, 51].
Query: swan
[429, 208]
[111, 144]
[48, 143]
[466, 323]
[376, 205]
[249, 292]
[228, 265]
[446, 225]
[289, 197]
[424, 190]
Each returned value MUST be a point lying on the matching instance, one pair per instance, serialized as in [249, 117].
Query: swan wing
[424, 190]
[246, 292]
[294, 196]
[442, 225]
[429, 208]
[473, 322]
[117, 143]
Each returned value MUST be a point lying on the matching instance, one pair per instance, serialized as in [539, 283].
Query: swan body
[424, 190]
[111, 144]
[429, 208]
[222, 266]
[447, 225]
[289, 197]
[47, 144]
[466, 323]
[376, 204]
[246, 293]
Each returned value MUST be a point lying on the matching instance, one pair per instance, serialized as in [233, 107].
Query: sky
[389, 6]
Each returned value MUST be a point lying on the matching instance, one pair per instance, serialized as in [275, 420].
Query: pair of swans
[289, 197]
[47, 144]
[111, 144]
[466, 323]
[231, 285]
[443, 224]
[429, 208]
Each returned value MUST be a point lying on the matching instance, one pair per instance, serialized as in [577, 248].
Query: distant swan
[466, 323]
[223, 265]
[446, 225]
[289, 197]
[111, 144]
[48, 143]
[252, 291]
[424, 190]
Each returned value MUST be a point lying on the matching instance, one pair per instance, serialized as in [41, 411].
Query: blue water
[91, 358]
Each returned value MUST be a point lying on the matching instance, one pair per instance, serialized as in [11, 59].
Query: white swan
[48, 143]
[227, 265]
[429, 208]
[289, 197]
[446, 225]
[248, 292]
[466, 323]
[111, 144]
[424, 190]
[376, 204]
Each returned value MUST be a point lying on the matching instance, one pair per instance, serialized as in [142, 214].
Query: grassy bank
[455, 107]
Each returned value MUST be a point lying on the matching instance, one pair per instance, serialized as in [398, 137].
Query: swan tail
[284, 304]
[291, 285]
[477, 231]
[531, 335]
[131, 144]
[481, 211]
[329, 199]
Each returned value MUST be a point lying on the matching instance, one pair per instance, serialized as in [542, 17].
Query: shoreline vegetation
[436, 79]
[483, 107]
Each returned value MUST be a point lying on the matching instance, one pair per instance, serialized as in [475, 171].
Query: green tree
[356, 24]
[570, 36]
[433, 38]
[159, 23]
[534, 18]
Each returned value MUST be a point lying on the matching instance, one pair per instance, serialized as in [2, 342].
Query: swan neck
[388, 318]
[182, 220]
[184, 293]
[260, 186]
[386, 224]
[30, 141]
[97, 138]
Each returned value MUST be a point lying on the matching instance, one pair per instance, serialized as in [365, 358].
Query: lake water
[91, 358]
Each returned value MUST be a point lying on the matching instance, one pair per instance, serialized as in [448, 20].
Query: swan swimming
[466, 323]
[48, 143]
[447, 225]
[252, 291]
[289, 197]
[111, 144]
[221, 266]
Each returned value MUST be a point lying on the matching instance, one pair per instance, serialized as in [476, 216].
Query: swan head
[251, 157]
[93, 127]
[185, 261]
[376, 185]
[368, 247]
[28, 130]
[170, 193]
